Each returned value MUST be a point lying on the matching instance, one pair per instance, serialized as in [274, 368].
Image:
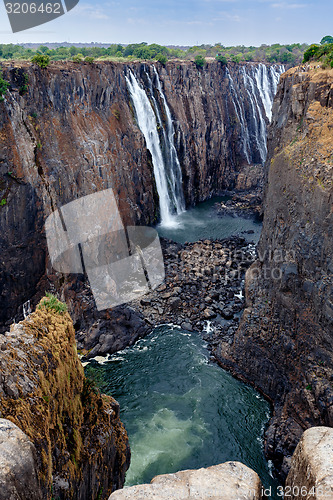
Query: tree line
[290, 54]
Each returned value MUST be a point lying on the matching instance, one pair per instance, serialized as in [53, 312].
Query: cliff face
[81, 446]
[73, 133]
[284, 344]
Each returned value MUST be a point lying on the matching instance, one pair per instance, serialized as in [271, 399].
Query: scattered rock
[175, 302]
[209, 314]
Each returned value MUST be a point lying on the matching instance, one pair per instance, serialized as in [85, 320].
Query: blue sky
[184, 22]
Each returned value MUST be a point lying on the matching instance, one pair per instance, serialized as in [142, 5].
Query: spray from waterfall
[166, 165]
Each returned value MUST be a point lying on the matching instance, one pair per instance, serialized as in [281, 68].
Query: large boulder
[18, 475]
[229, 481]
[311, 471]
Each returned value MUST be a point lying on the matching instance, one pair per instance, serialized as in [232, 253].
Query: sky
[183, 22]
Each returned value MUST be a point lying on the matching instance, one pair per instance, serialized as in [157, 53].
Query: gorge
[80, 129]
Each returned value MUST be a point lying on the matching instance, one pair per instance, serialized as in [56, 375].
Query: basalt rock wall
[70, 130]
[284, 344]
[78, 446]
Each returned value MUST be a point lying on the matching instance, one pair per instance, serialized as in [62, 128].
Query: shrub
[199, 61]
[161, 58]
[3, 87]
[51, 303]
[78, 58]
[89, 59]
[311, 52]
[41, 60]
[326, 39]
[23, 89]
[222, 59]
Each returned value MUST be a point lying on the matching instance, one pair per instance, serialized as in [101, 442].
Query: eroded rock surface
[284, 344]
[311, 471]
[81, 445]
[18, 474]
[229, 481]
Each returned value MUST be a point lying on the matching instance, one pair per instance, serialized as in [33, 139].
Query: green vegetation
[200, 61]
[326, 39]
[291, 54]
[322, 53]
[3, 87]
[161, 58]
[41, 60]
[3, 202]
[51, 303]
[222, 59]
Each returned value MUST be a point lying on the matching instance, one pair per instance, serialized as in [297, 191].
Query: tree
[310, 52]
[41, 60]
[43, 49]
[161, 58]
[222, 59]
[326, 39]
[77, 58]
[3, 87]
[199, 61]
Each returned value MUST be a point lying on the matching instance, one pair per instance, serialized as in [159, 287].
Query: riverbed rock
[18, 471]
[312, 466]
[228, 481]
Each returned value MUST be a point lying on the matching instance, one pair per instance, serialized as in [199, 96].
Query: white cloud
[223, 16]
[285, 5]
[88, 10]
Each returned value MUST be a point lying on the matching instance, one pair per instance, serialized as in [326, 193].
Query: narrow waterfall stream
[167, 171]
[260, 83]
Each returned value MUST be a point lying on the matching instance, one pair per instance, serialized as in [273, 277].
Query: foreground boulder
[311, 472]
[81, 446]
[18, 475]
[229, 481]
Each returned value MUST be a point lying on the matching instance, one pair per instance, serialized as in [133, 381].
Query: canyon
[284, 343]
[75, 132]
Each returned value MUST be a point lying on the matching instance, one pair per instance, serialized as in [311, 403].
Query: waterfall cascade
[260, 82]
[166, 165]
[252, 88]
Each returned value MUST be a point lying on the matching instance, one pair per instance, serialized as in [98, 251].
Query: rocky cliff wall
[284, 344]
[77, 440]
[70, 130]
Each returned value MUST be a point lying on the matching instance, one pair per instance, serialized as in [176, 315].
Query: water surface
[180, 410]
[202, 222]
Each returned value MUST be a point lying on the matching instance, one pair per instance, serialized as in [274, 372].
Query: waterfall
[171, 153]
[26, 309]
[239, 109]
[166, 165]
[255, 112]
[258, 119]
[267, 81]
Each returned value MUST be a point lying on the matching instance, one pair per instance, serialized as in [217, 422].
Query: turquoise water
[180, 410]
[202, 222]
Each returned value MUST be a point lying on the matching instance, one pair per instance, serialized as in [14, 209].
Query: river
[180, 409]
